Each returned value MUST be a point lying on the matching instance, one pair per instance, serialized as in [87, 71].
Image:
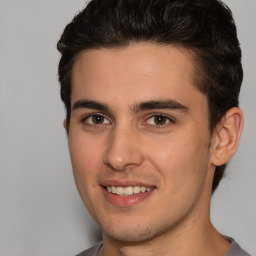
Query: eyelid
[86, 117]
[171, 120]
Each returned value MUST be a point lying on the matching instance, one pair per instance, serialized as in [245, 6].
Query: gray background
[40, 210]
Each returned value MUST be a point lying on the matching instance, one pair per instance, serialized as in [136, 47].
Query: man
[151, 93]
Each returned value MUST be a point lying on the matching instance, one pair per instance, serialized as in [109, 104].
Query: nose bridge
[123, 150]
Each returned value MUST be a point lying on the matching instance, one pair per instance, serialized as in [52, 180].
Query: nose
[123, 150]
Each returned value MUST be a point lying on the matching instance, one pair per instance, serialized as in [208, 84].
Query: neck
[191, 241]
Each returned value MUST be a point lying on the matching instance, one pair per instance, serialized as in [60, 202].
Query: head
[205, 28]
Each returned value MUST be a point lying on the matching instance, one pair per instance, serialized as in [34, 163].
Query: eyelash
[86, 118]
[166, 119]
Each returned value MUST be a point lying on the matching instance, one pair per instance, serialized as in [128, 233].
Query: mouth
[126, 194]
[127, 191]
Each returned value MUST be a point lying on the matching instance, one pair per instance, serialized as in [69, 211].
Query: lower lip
[126, 201]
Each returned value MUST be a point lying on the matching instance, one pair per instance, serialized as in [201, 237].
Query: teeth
[113, 189]
[127, 191]
[119, 190]
[142, 189]
[136, 190]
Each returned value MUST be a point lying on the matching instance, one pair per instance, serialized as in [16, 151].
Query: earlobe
[228, 134]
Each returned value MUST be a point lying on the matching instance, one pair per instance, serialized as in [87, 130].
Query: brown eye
[96, 120]
[159, 120]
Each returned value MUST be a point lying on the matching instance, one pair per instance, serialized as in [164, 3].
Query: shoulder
[235, 249]
[93, 251]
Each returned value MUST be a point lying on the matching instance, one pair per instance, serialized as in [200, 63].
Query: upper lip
[127, 183]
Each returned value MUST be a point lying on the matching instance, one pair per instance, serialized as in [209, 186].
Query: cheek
[84, 153]
[182, 166]
[86, 163]
[181, 160]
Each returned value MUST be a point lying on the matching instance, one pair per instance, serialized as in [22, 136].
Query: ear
[227, 136]
[65, 124]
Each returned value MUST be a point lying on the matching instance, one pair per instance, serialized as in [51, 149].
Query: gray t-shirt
[234, 250]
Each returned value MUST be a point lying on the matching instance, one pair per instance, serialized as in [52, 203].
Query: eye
[159, 120]
[96, 119]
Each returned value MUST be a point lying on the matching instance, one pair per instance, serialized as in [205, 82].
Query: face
[139, 140]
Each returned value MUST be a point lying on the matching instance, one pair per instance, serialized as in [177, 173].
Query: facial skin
[138, 119]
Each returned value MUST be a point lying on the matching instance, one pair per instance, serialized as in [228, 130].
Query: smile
[127, 191]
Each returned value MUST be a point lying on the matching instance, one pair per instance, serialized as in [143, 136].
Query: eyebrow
[160, 104]
[90, 104]
[147, 105]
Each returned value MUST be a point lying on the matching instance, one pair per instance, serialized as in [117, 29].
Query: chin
[133, 233]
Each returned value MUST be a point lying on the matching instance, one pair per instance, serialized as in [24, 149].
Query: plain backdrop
[41, 213]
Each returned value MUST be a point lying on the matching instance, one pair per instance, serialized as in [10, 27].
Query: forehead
[138, 72]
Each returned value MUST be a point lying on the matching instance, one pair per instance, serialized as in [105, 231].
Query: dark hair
[206, 28]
